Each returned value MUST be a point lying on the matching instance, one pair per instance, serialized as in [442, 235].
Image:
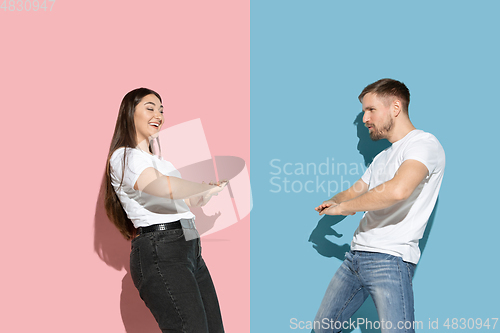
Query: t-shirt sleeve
[424, 150]
[135, 164]
[367, 174]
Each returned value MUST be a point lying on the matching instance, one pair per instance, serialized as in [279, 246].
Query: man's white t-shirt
[141, 208]
[397, 229]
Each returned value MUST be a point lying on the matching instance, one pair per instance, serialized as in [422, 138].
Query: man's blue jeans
[388, 279]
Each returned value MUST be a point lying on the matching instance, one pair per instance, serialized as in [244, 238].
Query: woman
[148, 201]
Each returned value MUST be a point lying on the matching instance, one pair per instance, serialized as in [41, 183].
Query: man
[397, 193]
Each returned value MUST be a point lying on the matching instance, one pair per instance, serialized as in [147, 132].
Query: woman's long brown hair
[124, 136]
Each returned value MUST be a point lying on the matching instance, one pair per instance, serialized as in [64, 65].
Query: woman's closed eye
[153, 110]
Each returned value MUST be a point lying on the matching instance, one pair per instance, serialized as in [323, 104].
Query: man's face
[377, 116]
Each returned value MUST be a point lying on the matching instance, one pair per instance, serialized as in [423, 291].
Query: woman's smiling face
[148, 118]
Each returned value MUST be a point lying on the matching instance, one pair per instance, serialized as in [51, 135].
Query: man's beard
[377, 134]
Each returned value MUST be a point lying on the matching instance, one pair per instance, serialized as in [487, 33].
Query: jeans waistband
[159, 227]
[179, 224]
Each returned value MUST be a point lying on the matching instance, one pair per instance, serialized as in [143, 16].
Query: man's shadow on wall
[368, 149]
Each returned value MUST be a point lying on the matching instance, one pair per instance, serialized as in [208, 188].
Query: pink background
[64, 73]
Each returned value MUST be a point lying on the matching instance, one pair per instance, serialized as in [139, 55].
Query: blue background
[309, 62]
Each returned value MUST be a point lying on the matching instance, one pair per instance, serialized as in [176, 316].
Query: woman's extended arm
[202, 200]
[153, 182]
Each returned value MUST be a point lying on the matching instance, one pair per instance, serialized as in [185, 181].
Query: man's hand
[335, 209]
[324, 205]
[354, 191]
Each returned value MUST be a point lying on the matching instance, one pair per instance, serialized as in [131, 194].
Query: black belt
[159, 227]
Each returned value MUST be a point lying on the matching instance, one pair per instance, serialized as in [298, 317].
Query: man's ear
[397, 107]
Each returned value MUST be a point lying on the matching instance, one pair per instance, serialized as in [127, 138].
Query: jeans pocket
[168, 236]
[411, 270]
[135, 266]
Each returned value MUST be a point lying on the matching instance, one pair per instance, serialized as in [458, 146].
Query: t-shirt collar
[405, 137]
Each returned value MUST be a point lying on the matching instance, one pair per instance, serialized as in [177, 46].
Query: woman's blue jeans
[388, 279]
[174, 282]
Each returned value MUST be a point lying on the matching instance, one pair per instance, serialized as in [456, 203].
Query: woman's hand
[217, 187]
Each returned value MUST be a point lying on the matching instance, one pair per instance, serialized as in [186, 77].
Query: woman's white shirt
[141, 208]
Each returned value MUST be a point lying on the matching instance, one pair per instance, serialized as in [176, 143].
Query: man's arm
[358, 188]
[399, 188]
